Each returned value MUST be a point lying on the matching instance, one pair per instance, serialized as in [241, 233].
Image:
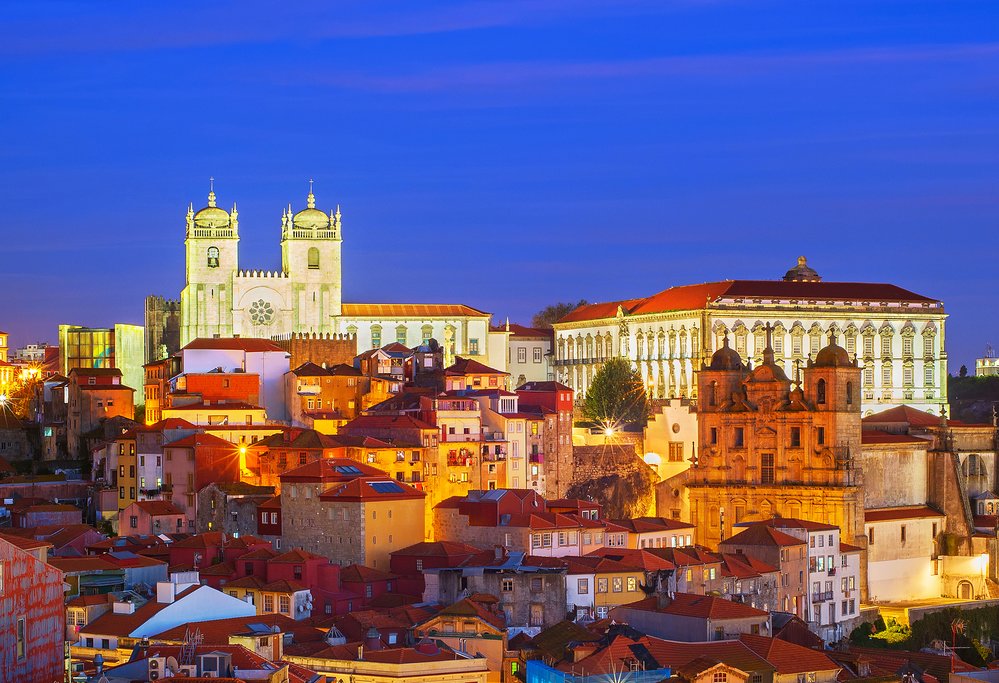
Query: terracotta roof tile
[248, 344]
[409, 310]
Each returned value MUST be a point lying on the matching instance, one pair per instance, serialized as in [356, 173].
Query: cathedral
[223, 299]
[773, 445]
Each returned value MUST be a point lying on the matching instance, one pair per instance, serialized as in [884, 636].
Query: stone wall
[162, 327]
[616, 477]
[321, 349]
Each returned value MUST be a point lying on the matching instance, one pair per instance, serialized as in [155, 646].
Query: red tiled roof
[358, 573]
[847, 548]
[248, 344]
[701, 606]
[761, 534]
[473, 608]
[235, 405]
[156, 508]
[908, 512]
[200, 439]
[636, 557]
[786, 657]
[386, 422]
[698, 296]
[913, 417]
[296, 555]
[371, 488]
[82, 564]
[590, 564]
[524, 332]
[409, 310]
[217, 631]
[87, 601]
[437, 549]
[24, 543]
[872, 437]
[332, 470]
[792, 523]
[641, 525]
[470, 366]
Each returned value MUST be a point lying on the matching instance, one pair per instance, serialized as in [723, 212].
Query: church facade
[896, 336]
[221, 298]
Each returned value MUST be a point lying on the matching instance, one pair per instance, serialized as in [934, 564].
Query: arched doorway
[965, 590]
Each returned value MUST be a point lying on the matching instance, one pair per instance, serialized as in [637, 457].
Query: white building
[222, 299]
[529, 353]
[897, 335]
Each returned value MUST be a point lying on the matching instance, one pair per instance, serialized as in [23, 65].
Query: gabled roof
[792, 523]
[762, 535]
[382, 421]
[470, 366]
[298, 439]
[544, 386]
[870, 437]
[913, 418]
[473, 608]
[636, 557]
[437, 549]
[788, 658]
[590, 564]
[248, 344]
[297, 555]
[310, 369]
[359, 573]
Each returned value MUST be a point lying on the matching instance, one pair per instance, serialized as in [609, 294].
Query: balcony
[309, 389]
[822, 597]
[832, 571]
[494, 457]
[538, 458]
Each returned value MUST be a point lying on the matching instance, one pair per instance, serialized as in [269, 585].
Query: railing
[822, 597]
[832, 571]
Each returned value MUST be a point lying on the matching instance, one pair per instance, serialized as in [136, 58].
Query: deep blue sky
[504, 154]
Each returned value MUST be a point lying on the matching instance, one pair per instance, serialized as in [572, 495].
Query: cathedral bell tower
[310, 258]
[212, 258]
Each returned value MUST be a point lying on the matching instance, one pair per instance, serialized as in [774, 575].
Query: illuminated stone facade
[772, 447]
[222, 299]
[897, 335]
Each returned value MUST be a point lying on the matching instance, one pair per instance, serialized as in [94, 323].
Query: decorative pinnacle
[211, 191]
[311, 201]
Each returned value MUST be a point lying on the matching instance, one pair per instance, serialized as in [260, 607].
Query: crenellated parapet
[261, 275]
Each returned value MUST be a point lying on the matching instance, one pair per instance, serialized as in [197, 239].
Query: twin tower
[221, 299]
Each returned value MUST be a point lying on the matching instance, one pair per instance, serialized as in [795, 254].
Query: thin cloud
[734, 65]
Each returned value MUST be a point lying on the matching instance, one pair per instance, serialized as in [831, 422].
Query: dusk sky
[504, 154]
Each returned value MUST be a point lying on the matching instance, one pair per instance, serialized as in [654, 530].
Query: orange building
[770, 446]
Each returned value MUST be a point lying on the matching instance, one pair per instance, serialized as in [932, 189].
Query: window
[820, 392]
[739, 437]
[522, 355]
[928, 375]
[902, 534]
[507, 585]
[820, 435]
[213, 257]
[870, 536]
[714, 435]
[767, 468]
[537, 585]
[22, 641]
[583, 586]
[632, 584]
[795, 437]
[376, 336]
[400, 334]
[675, 451]
[537, 354]
[719, 677]
[285, 603]
[617, 584]
[268, 603]
[473, 347]
[601, 585]
[849, 393]
[313, 258]
[907, 346]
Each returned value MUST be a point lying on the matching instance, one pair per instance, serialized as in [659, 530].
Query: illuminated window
[313, 258]
[213, 257]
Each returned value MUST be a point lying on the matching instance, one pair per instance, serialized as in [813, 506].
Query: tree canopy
[616, 395]
[544, 318]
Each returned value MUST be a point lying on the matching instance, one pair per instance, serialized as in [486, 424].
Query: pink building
[151, 517]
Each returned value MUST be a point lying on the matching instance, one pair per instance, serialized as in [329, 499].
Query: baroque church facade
[222, 299]
[896, 336]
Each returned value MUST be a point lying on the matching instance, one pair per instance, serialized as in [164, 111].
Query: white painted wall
[203, 604]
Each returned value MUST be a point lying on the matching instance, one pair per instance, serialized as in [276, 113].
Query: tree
[964, 371]
[616, 395]
[544, 318]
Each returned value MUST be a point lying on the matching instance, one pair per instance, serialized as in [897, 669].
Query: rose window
[261, 312]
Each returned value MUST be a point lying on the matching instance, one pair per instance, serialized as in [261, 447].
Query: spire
[768, 352]
[508, 323]
[311, 200]
[211, 191]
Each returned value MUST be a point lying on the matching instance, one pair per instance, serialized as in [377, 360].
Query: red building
[32, 616]
[551, 402]
[151, 517]
[193, 462]
[205, 387]
[408, 563]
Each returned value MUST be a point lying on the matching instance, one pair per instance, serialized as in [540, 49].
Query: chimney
[166, 592]
[372, 640]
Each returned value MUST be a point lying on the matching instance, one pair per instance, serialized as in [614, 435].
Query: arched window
[849, 393]
[213, 257]
[712, 393]
[820, 392]
[313, 258]
[426, 332]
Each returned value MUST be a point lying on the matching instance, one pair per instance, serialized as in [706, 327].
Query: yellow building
[425, 663]
[596, 585]
[472, 626]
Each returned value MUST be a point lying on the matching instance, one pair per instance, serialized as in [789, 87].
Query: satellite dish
[172, 665]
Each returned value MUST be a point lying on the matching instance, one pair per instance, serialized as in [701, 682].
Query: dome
[802, 272]
[311, 218]
[211, 216]
[832, 356]
[726, 358]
